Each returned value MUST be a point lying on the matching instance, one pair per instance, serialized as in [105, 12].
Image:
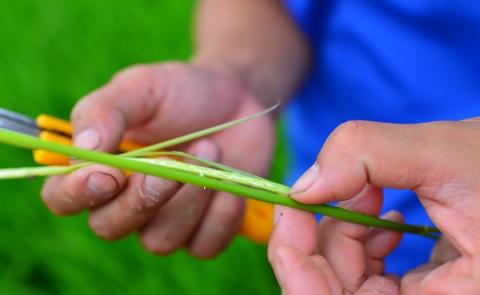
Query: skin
[359, 159]
[239, 67]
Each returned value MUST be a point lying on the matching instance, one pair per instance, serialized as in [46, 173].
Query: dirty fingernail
[306, 181]
[88, 139]
[102, 184]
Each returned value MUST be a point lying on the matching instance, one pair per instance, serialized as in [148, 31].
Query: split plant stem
[152, 150]
[151, 168]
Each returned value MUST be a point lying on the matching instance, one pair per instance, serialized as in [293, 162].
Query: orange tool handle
[257, 223]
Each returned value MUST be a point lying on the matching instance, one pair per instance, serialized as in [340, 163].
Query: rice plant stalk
[223, 179]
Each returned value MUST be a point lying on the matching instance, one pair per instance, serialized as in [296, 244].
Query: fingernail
[88, 139]
[156, 187]
[102, 184]
[306, 181]
[391, 215]
[207, 150]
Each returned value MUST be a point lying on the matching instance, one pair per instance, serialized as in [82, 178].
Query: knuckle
[135, 80]
[346, 135]
[349, 132]
[134, 73]
[141, 201]
[80, 108]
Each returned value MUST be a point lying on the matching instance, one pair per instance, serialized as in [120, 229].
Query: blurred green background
[52, 53]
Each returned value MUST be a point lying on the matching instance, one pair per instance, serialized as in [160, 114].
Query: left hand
[152, 103]
[439, 161]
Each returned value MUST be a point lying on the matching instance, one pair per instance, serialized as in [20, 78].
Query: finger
[294, 228]
[174, 223]
[299, 273]
[379, 243]
[411, 282]
[443, 252]
[221, 223]
[140, 200]
[379, 285]
[133, 207]
[341, 242]
[88, 187]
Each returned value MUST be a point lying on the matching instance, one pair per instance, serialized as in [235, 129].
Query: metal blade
[18, 122]
[16, 117]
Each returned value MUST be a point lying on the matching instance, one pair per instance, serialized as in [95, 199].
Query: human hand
[439, 161]
[148, 104]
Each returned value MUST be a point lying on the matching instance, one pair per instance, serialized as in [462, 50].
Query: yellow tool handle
[257, 223]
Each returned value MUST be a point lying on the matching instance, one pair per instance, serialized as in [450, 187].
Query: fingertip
[89, 139]
[393, 215]
[317, 187]
[203, 253]
[295, 228]
[59, 206]
[379, 242]
[206, 149]
[221, 222]
[99, 123]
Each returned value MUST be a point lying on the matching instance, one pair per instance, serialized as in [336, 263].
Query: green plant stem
[149, 168]
[211, 164]
[152, 150]
[14, 173]
[191, 136]
[242, 179]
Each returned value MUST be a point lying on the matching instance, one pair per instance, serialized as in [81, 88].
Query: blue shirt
[391, 61]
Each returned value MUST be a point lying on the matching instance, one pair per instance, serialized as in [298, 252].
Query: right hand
[148, 104]
[439, 161]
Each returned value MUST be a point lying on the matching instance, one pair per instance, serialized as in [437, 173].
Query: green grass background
[53, 52]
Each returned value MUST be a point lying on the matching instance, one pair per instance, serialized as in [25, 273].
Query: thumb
[101, 118]
[143, 101]
[357, 153]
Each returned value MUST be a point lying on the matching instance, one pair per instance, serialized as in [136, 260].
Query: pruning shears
[257, 223]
